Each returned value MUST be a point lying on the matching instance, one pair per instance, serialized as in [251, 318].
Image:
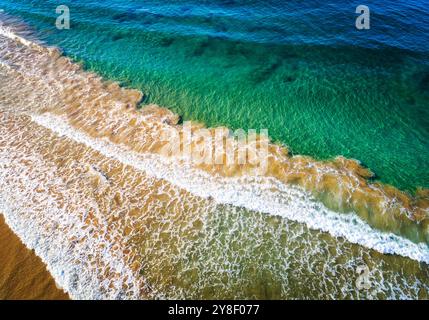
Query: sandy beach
[23, 275]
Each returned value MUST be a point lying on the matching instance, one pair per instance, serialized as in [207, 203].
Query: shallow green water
[323, 89]
[320, 97]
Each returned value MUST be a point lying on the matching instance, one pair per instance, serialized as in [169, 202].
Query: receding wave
[84, 181]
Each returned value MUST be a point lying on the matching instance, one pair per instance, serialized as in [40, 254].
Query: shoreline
[24, 275]
[343, 185]
[99, 188]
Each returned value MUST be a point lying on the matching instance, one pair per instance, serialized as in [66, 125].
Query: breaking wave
[85, 183]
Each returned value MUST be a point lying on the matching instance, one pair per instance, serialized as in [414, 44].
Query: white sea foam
[8, 32]
[48, 227]
[69, 262]
[260, 194]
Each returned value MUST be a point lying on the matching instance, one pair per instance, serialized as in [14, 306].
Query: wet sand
[23, 275]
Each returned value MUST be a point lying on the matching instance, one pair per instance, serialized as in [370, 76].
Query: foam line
[260, 194]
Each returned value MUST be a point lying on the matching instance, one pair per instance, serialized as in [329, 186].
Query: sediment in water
[109, 202]
[104, 110]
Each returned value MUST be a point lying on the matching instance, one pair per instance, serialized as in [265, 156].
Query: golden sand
[22, 274]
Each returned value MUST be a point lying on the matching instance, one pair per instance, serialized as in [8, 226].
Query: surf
[73, 128]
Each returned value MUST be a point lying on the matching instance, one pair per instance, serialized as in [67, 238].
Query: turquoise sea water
[301, 70]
